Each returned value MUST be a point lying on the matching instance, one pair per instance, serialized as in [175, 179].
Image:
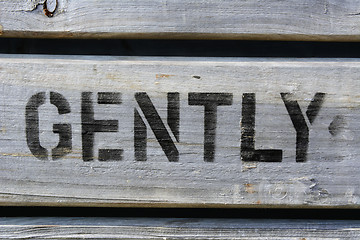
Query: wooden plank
[194, 132]
[324, 20]
[176, 228]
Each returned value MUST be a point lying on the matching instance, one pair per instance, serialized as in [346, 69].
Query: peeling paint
[163, 76]
[317, 193]
[249, 188]
[248, 166]
[32, 5]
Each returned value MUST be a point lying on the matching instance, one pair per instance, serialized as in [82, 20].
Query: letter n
[157, 126]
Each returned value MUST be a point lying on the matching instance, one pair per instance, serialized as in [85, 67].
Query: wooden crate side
[176, 228]
[168, 132]
[330, 20]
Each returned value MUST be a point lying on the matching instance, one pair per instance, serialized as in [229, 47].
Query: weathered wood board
[175, 228]
[326, 20]
[169, 132]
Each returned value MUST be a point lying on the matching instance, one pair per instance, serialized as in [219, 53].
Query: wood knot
[47, 12]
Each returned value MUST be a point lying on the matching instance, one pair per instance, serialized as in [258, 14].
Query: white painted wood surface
[176, 228]
[326, 20]
[329, 176]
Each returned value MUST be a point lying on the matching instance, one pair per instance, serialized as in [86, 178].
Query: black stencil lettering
[109, 98]
[157, 126]
[173, 113]
[60, 102]
[64, 130]
[65, 144]
[302, 130]
[315, 106]
[110, 154]
[247, 149]
[298, 120]
[32, 126]
[90, 125]
[210, 101]
[337, 125]
[140, 136]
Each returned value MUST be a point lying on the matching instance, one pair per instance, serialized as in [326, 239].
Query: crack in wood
[33, 6]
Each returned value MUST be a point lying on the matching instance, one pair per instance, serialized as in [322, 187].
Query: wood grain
[115, 152]
[176, 228]
[318, 20]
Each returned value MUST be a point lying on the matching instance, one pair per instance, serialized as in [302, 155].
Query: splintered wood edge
[181, 36]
